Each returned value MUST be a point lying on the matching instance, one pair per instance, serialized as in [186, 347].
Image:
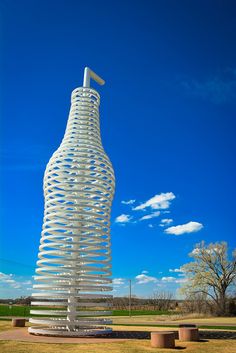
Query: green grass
[21, 310]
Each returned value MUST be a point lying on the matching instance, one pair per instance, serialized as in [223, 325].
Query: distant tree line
[158, 301]
[21, 301]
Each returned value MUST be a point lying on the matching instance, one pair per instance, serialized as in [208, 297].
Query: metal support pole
[88, 73]
[129, 297]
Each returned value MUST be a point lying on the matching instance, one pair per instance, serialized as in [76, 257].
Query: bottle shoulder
[81, 157]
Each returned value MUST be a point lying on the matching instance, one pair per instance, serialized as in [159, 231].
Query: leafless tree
[161, 300]
[211, 274]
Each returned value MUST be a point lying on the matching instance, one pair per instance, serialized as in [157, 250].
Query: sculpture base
[63, 332]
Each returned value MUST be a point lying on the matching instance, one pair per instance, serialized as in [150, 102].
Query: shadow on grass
[179, 347]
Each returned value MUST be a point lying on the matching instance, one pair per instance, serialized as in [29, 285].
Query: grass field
[141, 318]
[174, 319]
[5, 325]
[141, 312]
[142, 327]
[131, 346]
[20, 310]
[134, 346]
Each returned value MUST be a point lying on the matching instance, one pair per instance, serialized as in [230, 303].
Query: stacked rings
[74, 266]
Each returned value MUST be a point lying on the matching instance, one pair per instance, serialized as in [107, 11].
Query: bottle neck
[83, 126]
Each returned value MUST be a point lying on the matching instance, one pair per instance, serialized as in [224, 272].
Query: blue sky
[167, 120]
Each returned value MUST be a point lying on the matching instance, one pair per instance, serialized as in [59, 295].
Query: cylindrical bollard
[18, 322]
[188, 334]
[162, 339]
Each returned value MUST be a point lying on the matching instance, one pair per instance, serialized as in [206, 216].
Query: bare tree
[211, 273]
[197, 303]
[161, 300]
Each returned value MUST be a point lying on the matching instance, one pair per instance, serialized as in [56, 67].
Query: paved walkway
[21, 334]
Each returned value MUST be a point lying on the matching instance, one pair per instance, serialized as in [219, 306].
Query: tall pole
[129, 297]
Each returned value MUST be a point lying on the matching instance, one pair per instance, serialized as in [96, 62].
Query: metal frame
[74, 266]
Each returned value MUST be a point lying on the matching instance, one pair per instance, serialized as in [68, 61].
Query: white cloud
[118, 281]
[13, 286]
[218, 89]
[129, 202]
[123, 218]
[143, 279]
[174, 280]
[160, 201]
[150, 225]
[181, 280]
[166, 221]
[175, 270]
[7, 280]
[189, 227]
[149, 216]
[168, 279]
[144, 271]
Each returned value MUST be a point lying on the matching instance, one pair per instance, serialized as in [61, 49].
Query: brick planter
[18, 322]
[188, 334]
[162, 339]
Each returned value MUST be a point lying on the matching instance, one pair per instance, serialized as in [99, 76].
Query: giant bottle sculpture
[74, 266]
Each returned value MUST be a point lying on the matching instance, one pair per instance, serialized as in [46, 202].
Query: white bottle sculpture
[74, 266]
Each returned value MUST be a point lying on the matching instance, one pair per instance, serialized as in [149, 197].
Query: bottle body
[74, 266]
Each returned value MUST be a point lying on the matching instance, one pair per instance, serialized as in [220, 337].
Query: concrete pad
[21, 334]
